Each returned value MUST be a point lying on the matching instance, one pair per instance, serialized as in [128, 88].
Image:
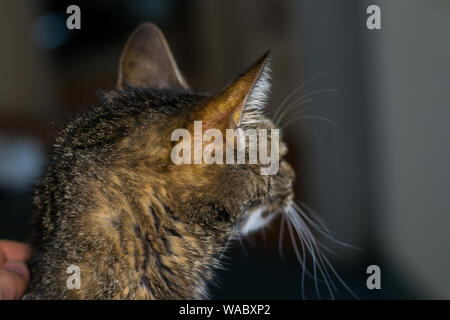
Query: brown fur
[138, 226]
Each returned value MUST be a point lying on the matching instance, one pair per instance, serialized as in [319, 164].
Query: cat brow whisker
[296, 103]
[298, 88]
[305, 117]
[306, 108]
[303, 97]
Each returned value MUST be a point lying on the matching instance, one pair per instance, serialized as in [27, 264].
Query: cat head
[216, 159]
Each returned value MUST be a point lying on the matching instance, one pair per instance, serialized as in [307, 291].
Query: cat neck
[178, 259]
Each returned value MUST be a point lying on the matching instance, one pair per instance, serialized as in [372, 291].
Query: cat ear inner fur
[243, 101]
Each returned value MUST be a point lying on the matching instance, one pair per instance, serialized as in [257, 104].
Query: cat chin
[256, 218]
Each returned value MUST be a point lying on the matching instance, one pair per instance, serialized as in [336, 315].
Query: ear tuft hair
[242, 102]
[257, 99]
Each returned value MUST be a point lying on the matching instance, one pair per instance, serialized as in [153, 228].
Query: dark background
[379, 177]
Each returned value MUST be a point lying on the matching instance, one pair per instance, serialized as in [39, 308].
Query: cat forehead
[143, 100]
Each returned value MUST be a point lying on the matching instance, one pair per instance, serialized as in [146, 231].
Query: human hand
[14, 274]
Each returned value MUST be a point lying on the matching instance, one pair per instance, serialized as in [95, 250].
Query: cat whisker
[303, 97]
[296, 103]
[306, 108]
[304, 117]
[236, 235]
[242, 244]
[226, 244]
[281, 236]
[311, 212]
[308, 237]
[304, 240]
[298, 218]
[308, 240]
[297, 253]
[303, 270]
[336, 274]
[301, 86]
[302, 262]
[264, 235]
[320, 227]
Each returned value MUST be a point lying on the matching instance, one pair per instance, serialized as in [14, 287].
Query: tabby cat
[112, 203]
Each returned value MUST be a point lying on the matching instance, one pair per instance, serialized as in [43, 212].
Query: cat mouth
[256, 218]
[259, 216]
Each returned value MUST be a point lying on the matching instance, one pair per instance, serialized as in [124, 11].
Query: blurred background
[370, 139]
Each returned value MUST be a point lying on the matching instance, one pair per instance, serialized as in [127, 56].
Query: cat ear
[147, 61]
[242, 102]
